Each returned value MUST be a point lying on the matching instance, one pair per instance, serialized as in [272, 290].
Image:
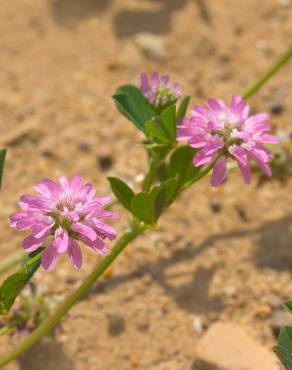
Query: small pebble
[47, 153]
[216, 205]
[274, 301]
[84, 147]
[139, 178]
[230, 291]
[116, 324]
[134, 360]
[70, 280]
[276, 108]
[262, 311]
[198, 325]
[144, 327]
[241, 213]
[285, 2]
[279, 319]
[151, 44]
[105, 162]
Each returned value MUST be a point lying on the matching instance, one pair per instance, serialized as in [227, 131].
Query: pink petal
[258, 118]
[61, 240]
[239, 107]
[21, 221]
[261, 156]
[236, 99]
[34, 202]
[97, 245]
[201, 158]
[84, 230]
[198, 141]
[239, 153]
[262, 163]
[144, 84]
[201, 111]
[219, 171]
[246, 172]
[75, 254]
[268, 139]
[214, 105]
[49, 257]
[48, 188]
[105, 230]
[108, 214]
[64, 183]
[76, 184]
[155, 79]
[104, 200]
[31, 244]
[39, 230]
[164, 80]
[74, 216]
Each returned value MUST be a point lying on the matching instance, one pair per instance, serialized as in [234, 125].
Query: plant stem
[11, 262]
[47, 325]
[283, 59]
[151, 174]
[6, 329]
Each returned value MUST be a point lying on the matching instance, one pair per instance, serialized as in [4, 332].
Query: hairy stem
[283, 59]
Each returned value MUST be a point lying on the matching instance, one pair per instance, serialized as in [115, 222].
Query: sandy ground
[61, 60]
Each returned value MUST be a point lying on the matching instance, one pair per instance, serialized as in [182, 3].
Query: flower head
[222, 132]
[62, 215]
[159, 90]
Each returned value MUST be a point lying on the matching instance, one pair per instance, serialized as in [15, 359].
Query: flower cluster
[62, 215]
[222, 131]
[159, 90]
[66, 213]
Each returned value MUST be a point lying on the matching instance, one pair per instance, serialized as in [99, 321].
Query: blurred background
[218, 255]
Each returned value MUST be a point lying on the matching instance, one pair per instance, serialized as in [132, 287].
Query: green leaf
[14, 284]
[154, 129]
[288, 305]
[182, 109]
[122, 191]
[148, 206]
[181, 165]
[2, 160]
[162, 171]
[168, 118]
[143, 207]
[133, 105]
[10, 289]
[165, 192]
[284, 347]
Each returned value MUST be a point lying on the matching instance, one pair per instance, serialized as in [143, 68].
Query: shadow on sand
[272, 249]
[47, 354]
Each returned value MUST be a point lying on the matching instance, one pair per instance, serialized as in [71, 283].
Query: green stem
[151, 174]
[11, 262]
[283, 59]
[47, 325]
[6, 329]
